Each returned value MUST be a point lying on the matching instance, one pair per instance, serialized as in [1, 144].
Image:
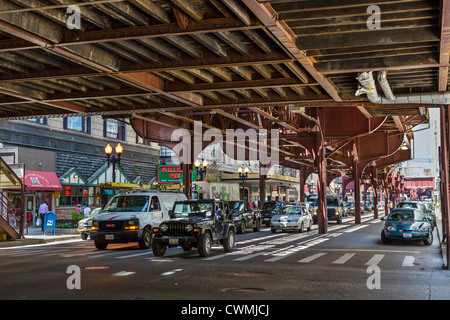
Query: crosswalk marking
[356, 228]
[344, 258]
[135, 255]
[408, 261]
[313, 257]
[375, 260]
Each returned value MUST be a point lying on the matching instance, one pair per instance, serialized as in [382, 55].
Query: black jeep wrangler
[195, 224]
[244, 216]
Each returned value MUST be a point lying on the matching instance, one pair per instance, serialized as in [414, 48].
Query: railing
[11, 215]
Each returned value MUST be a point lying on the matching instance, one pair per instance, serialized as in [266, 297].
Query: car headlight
[188, 227]
[391, 228]
[163, 227]
[424, 229]
[336, 212]
[131, 225]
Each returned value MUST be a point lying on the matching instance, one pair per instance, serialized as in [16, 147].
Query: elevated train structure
[343, 82]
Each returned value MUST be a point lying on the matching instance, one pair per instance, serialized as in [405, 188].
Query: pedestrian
[87, 210]
[43, 209]
[79, 209]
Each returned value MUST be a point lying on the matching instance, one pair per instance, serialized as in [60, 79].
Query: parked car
[195, 224]
[407, 224]
[85, 225]
[131, 217]
[334, 210]
[269, 209]
[416, 205]
[351, 208]
[292, 218]
[430, 211]
[244, 216]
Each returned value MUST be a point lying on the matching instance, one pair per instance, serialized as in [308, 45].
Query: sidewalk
[35, 236]
[440, 234]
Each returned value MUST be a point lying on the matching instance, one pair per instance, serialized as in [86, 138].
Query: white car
[292, 218]
[132, 217]
[84, 225]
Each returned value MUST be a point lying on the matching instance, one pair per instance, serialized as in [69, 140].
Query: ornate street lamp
[113, 159]
[243, 175]
[201, 170]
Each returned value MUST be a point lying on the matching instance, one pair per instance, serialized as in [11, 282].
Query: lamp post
[201, 170]
[243, 175]
[113, 159]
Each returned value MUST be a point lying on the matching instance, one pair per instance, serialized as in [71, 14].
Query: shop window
[74, 195]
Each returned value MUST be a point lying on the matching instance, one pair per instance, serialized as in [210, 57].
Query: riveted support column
[320, 163]
[356, 179]
[445, 195]
[262, 186]
[375, 191]
[302, 183]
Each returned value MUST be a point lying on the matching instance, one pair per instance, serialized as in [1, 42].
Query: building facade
[73, 150]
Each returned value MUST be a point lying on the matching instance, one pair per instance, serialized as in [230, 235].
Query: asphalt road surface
[349, 262]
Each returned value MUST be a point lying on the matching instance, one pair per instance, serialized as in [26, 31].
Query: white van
[131, 217]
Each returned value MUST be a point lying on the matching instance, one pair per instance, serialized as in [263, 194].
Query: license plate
[407, 235]
[109, 237]
[173, 241]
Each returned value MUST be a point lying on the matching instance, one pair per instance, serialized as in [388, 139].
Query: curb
[34, 241]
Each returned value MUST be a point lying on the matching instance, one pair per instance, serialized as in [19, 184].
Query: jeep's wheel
[84, 235]
[146, 241]
[228, 244]
[100, 245]
[159, 248]
[204, 245]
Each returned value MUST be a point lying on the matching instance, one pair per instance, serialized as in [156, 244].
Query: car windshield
[270, 205]
[290, 210]
[127, 204]
[330, 202]
[95, 212]
[407, 215]
[238, 207]
[193, 209]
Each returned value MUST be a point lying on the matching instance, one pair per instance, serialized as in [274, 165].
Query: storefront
[40, 186]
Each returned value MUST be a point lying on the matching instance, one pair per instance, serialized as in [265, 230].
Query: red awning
[42, 181]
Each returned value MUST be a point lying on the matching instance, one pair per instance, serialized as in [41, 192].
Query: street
[349, 262]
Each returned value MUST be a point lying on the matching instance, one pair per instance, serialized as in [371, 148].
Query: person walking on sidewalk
[43, 209]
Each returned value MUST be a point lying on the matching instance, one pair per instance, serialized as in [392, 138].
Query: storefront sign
[169, 174]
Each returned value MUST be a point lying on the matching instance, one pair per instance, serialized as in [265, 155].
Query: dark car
[334, 210]
[244, 216]
[195, 224]
[407, 224]
[269, 209]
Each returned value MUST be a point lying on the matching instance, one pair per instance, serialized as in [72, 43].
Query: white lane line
[408, 261]
[135, 255]
[356, 228]
[250, 256]
[344, 258]
[375, 260]
[169, 273]
[311, 258]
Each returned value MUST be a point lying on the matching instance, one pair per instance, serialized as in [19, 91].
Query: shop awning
[42, 181]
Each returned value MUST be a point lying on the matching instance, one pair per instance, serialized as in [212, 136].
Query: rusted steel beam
[282, 33]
